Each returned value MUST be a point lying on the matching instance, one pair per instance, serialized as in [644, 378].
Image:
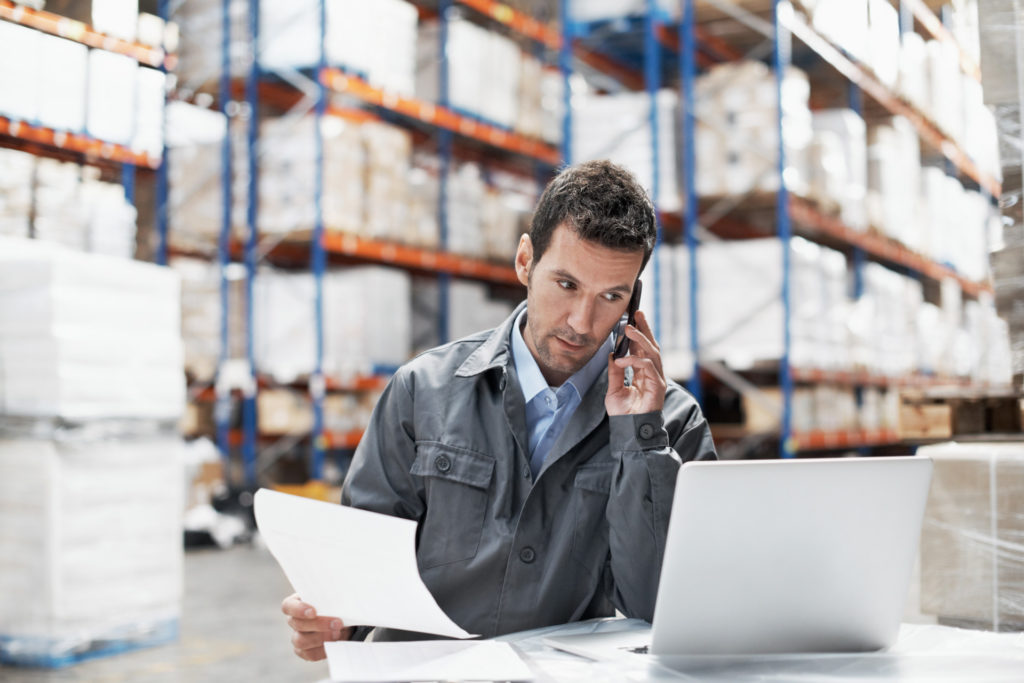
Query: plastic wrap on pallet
[737, 143]
[366, 313]
[19, 88]
[972, 541]
[894, 165]
[852, 134]
[110, 113]
[91, 529]
[63, 67]
[617, 127]
[86, 335]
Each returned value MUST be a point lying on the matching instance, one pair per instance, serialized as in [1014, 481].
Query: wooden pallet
[927, 417]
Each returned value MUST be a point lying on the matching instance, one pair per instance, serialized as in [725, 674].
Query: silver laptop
[782, 556]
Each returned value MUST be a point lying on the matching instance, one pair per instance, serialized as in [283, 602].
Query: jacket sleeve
[648, 450]
[378, 478]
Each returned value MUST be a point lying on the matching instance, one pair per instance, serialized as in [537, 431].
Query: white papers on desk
[352, 564]
[430, 660]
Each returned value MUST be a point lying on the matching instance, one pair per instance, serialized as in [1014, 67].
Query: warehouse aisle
[231, 630]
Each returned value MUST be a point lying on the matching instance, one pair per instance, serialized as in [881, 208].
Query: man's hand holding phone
[646, 392]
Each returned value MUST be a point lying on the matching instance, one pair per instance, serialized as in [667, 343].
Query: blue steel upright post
[781, 58]
[445, 142]
[317, 386]
[652, 81]
[162, 223]
[688, 77]
[252, 138]
[128, 183]
[565, 68]
[222, 407]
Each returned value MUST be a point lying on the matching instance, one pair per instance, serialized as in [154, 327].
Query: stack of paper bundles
[737, 147]
[884, 41]
[552, 88]
[990, 342]
[91, 530]
[742, 330]
[882, 325]
[374, 40]
[483, 70]
[945, 87]
[63, 68]
[835, 408]
[666, 302]
[850, 128]
[118, 18]
[894, 165]
[981, 141]
[466, 192]
[356, 336]
[471, 310]
[111, 219]
[421, 228]
[913, 81]
[617, 127]
[16, 169]
[110, 112]
[60, 215]
[804, 415]
[149, 112]
[20, 87]
[827, 165]
[85, 336]
[388, 159]
[598, 10]
[507, 212]
[201, 31]
[846, 24]
[530, 113]
[201, 315]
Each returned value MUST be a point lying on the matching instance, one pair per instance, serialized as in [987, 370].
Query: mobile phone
[628, 318]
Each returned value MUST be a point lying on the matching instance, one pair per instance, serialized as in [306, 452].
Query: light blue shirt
[548, 409]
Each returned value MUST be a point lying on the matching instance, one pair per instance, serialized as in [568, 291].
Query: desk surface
[922, 653]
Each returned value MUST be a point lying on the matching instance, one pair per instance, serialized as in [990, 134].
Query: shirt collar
[532, 381]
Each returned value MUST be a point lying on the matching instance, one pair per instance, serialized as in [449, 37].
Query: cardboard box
[972, 572]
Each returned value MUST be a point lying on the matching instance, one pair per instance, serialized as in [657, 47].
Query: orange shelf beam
[517, 21]
[75, 142]
[330, 439]
[410, 257]
[440, 117]
[803, 212]
[57, 25]
[855, 438]
[928, 131]
[935, 26]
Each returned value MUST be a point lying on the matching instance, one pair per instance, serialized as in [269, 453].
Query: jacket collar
[494, 352]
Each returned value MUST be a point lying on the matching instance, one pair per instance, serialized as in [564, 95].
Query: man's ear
[524, 259]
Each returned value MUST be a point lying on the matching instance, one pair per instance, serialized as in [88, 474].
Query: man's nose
[581, 316]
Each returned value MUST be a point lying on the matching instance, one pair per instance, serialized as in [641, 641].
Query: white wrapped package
[63, 67]
[87, 335]
[471, 310]
[91, 530]
[118, 18]
[149, 112]
[850, 128]
[597, 10]
[110, 113]
[19, 87]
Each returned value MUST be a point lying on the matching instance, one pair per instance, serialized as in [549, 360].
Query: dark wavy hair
[602, 202]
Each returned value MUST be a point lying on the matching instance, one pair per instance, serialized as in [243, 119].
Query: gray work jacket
[500, 551]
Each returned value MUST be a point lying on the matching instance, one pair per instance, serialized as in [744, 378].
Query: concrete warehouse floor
[232, 629]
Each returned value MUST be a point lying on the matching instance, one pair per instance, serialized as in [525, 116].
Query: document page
[431, 660]
[352, 564]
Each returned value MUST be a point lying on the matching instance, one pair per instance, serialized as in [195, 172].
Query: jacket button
[442, 463]
[646, 431]
[526, 472]
[527, 555]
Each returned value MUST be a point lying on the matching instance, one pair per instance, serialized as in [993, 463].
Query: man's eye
[612, 296]
[565, 284]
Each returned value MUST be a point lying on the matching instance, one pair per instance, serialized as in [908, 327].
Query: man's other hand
[311, 631]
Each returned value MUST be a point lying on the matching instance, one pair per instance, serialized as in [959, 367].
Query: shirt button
[646, 431]
[527, 555]
[547, 399]
[442, 463]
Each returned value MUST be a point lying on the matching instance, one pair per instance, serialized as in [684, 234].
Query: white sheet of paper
[352, 564]
[428, 660]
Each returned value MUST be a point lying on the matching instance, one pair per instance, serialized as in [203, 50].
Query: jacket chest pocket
[457, 482]
[590, 501]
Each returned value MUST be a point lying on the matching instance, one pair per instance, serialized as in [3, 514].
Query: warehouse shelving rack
[793, 214]
[453, 129]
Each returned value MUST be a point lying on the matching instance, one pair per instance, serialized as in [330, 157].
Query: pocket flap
[453, 464]
[596, 479]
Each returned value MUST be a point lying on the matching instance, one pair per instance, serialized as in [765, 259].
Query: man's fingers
[643, 347]
[645, 328]
[293, 606]
[315, 654]
[320, 624]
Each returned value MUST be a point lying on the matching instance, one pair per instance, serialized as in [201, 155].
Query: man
[541, 482]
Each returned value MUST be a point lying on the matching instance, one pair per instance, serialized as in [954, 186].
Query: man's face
[575, 295]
